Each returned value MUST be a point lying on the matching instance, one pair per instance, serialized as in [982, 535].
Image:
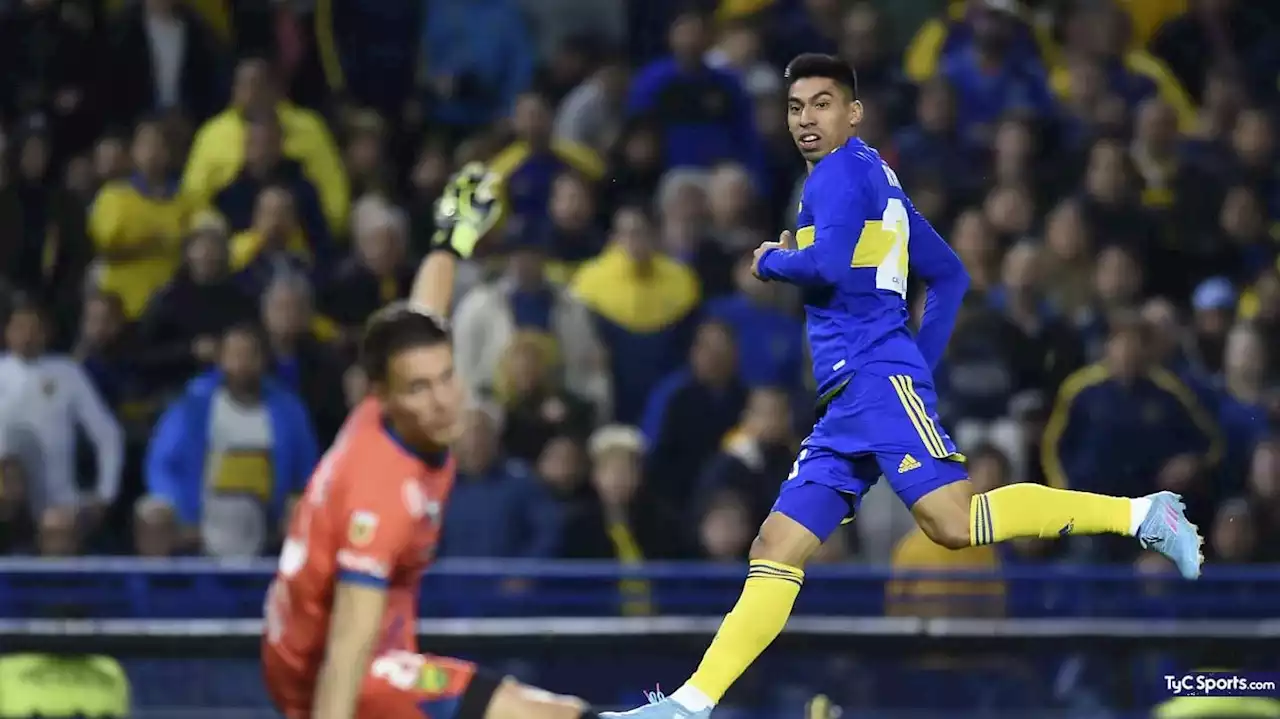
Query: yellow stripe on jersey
[874, 244]
[914, 407]
[804, 237]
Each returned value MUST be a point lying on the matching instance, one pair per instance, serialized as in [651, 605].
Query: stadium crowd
[199, 208]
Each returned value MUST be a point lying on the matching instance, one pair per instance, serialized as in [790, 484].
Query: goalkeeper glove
[467, 210]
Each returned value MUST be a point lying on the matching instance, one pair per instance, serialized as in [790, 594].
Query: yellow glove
[467, 210]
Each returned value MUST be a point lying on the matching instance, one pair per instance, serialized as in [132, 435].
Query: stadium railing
[188, 631]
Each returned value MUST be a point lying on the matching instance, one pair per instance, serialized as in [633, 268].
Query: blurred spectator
[771, 347]
[1234, 536]
[915, 553]
[627, 523]
[47, 53]
[995, 76]
[161, 57]
[217, 151]
[1099, 32]
[137, 224]
[1209, 31]
[643, 302]
[1126, 428]
[1247, 379]
[1117, 285]
[578, 24]
[1010, 212]
[1044, 348]
[44, 399]
[473, 78]
[929, 146]
[863, 44]
[974, 241]
[592, 114]
[955, 32]
[229, 453]
[725, 530]
[527, 167]
[155, 529]
[364, 155]
[717, 125]
[739, 49]
[178, 333]
[572, 233]
[636, 165]
[377, 272]
[1253, 146]
[274, 244]
[1264, 493]
[690, 412]
[427, 178]
[754, 457]
[1213, 305]
[538, 409]
[1069, 251]
[733, 209]
[497, 508]
[265, 166]
[297, 358]
[490, 316]
[683, 208]
[1244, 248]
[108, 349]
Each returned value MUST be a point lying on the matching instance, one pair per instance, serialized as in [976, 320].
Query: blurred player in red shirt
[339, 638]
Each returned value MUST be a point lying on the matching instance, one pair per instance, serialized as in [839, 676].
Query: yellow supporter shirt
[137, 237]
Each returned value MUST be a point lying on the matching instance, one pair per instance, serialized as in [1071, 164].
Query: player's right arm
[467, 210]
[377, 530]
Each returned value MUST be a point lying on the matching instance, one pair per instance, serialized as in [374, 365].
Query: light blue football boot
[659, 707]
[1166, 530]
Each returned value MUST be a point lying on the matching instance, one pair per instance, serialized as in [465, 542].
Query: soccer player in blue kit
[858, 239]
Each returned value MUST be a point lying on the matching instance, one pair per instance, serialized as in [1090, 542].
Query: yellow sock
[1034, 510]
[756, 620]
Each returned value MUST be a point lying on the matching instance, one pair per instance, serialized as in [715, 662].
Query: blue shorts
[879, 426]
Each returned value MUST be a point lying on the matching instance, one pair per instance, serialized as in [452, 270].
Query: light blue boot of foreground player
[1166, 530]
[659, 707]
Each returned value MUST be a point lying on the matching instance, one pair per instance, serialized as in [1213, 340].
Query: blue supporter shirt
[858, 239]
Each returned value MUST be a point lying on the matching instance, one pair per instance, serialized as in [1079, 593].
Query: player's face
[821, 116]
[423, 395]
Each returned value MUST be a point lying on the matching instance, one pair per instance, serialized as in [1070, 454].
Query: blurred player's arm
[946, 281]
[468, 209]
[353, 632]
[838, 213]
[377, 532]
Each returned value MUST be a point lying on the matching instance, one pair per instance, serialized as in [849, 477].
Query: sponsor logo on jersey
[363, 526]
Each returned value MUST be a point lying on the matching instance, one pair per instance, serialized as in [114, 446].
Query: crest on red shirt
[363, 526]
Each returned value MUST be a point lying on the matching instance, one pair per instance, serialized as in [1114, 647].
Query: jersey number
[883, 245]
[400, 669]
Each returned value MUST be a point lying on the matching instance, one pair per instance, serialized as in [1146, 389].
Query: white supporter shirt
[41, 402]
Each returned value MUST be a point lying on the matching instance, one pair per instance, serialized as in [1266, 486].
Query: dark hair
[397, 327]
[25, 304]
[812, 64]
[250, 330]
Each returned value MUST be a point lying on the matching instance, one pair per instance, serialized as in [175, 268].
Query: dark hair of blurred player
[408, 358]
[823, 110]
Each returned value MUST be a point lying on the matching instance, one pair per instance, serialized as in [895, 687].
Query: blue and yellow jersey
[858, 239]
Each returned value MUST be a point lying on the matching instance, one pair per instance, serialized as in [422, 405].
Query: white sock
[1138, 508]
[692, 698]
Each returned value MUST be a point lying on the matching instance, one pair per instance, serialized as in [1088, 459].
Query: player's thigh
[405, 685]
[821, 493]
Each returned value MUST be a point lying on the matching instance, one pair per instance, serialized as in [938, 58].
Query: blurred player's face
[821, 116]
[423, 395]
[25, 334]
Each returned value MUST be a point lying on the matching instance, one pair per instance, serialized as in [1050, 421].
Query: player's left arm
[376, 533]
[468, 209]
[838, 205]
[946, 281]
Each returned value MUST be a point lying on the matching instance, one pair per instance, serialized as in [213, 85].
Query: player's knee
[946, 531]
[784, 540]
[514, 700]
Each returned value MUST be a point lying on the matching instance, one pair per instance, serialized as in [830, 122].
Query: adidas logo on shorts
[907, 464]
